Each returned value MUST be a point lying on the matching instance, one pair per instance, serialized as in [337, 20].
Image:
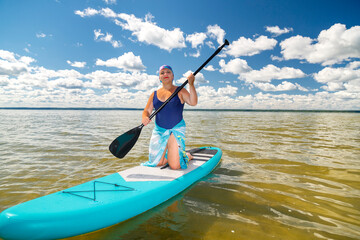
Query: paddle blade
[124, 143]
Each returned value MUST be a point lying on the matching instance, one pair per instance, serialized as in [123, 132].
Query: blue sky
[282, 54]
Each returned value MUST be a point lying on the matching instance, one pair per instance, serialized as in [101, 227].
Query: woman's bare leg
[173, 153]
[163, 160]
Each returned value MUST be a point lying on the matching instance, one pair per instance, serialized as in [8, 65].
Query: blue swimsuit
[171, 114]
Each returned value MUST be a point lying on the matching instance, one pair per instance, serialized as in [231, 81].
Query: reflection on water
[284, 175]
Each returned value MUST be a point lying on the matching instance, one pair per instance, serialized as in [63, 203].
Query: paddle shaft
[186, 82]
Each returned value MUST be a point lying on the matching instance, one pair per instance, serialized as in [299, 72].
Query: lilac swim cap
[165, 66]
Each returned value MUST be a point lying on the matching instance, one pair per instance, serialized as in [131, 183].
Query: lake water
[284, 175]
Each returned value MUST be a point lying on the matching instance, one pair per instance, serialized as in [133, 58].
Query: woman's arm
[148, 110]
[191, 97]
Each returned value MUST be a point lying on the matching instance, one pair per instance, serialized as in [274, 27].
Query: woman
[167, 144]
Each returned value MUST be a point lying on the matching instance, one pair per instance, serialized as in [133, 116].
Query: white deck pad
[143, 173]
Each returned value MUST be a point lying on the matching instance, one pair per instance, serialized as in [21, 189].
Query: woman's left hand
[191, 79]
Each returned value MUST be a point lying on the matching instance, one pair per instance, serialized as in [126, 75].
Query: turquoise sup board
[105, 201]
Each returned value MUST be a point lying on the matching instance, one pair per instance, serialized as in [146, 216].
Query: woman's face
[166, 75]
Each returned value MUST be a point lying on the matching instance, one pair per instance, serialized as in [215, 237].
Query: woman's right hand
[145, 121]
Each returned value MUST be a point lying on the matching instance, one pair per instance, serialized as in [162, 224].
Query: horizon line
[197, 109]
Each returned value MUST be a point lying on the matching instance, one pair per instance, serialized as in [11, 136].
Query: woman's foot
[162, 162]
[189, 156]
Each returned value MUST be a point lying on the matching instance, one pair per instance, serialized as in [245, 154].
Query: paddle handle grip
[186, 82]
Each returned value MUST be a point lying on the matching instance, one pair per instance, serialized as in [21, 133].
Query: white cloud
[223, 98]
[271, 72]
[26, 60]
[69, 83]
[138, 81]
[128, 62]
[99, 36]
[248, 47]
[210, 44]
[341, 74]
[277, 31]
[196, 54]
[39, 86]
[216, 32]
[334, 86]
[228, 91]
[210, 68]
[8, 56]
[234, 66]
[110, 1]
[87, 12]
[301, 88]
[196, 39]
[90, 12]
[40, 35]
[208, 92]
[334, 45]
[148, 32]
[262, 78]
[268, 87]
[68, 88]
[321, 100]
[76, 64]
[41, 78]
[276, 58]
[107, 12]
[4, 80]
[342, 78]
[12, 65]
[199, 78]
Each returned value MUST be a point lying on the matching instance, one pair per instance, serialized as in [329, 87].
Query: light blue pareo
[159, 140]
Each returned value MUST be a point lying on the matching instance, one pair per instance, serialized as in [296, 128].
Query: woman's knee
[174, 165]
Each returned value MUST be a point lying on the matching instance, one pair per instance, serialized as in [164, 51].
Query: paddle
[123, 144]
